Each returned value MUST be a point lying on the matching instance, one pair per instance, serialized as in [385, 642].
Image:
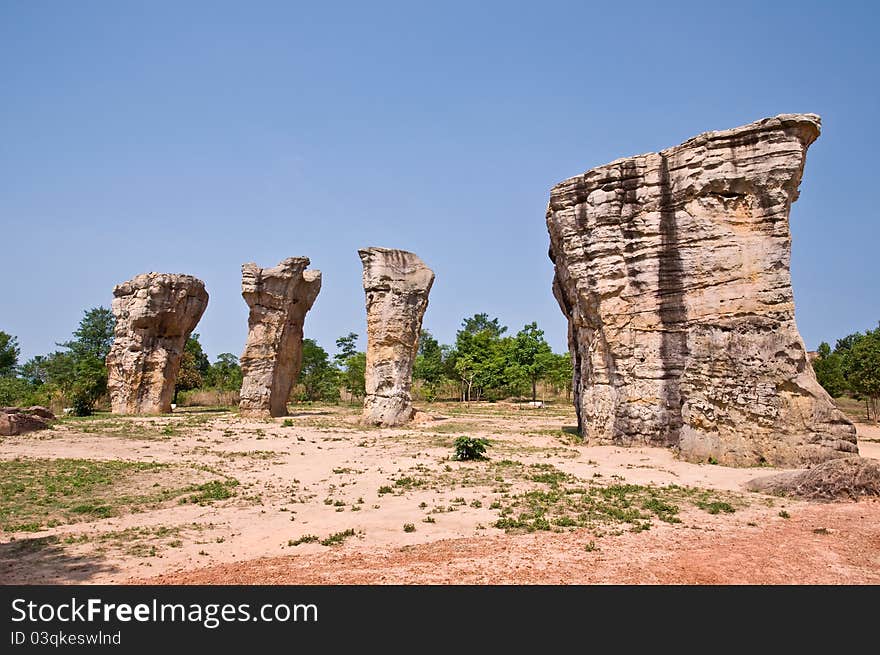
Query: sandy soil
[323, 474]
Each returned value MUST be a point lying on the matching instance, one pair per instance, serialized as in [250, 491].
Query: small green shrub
[409, 527]
[82, 401]
[287, 423]
[337, 538]
[469, 448]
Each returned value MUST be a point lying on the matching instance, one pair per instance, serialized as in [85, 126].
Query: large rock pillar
[673, 271]
[155, 314]
[396, 284]
[278, 299]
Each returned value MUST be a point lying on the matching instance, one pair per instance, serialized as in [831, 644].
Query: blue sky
[196, 136]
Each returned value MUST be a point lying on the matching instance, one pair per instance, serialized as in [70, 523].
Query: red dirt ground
[820, 544]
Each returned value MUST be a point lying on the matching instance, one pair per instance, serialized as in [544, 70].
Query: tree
[35, 370]
[347, 347]
[194, 366]
[828, 367]
[79, 372]
[479, 358]
[9, 352]
[530, 356]
[94, 336]
[481, 323]
[318, 377]
[352, 364]
[354, 375]
[863, 369]
[559, 374]
[429, 365]
[225, 373]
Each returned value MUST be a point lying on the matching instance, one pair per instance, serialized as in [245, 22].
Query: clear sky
[195, 136]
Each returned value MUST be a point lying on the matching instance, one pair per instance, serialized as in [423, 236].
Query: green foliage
[225, 373]
[429, 365]
[77, 374]
[559, 372]
[480, 323]
[862, 367]
[17, 391]
[853, 366]
[319, 378]
[469, 448]
[9, 352]
[347, 346]
[41, 492]
[337, 538]
[352, 365]
[211, 491]
[94, 336]
[194, 366]
[530, 356]
[34, 370]
[716, 506]
[489, 365]
[479, 358]
[828, 367]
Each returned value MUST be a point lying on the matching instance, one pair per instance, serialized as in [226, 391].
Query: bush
[82, 402]
[15, 391]
[468, 448]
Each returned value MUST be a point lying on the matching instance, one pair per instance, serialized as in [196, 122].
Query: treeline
[74, 376]
[484, 363]
[852, 368]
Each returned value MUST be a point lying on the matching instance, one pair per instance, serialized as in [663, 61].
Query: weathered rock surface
[39, 410]
[396, 284]
[155, 314]
[848, 477]
[15, 420]
[278, 298]
[673, 271]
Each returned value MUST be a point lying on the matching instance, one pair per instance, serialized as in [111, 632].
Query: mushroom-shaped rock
[278, 299]
[155, 314]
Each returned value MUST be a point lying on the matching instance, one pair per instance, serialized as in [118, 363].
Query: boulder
[844, 478]
[14, 420]
[39, 410]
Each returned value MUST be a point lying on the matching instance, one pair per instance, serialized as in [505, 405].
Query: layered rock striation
[278, 299]
[396, 284]
[155, 314]
[673, 271]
